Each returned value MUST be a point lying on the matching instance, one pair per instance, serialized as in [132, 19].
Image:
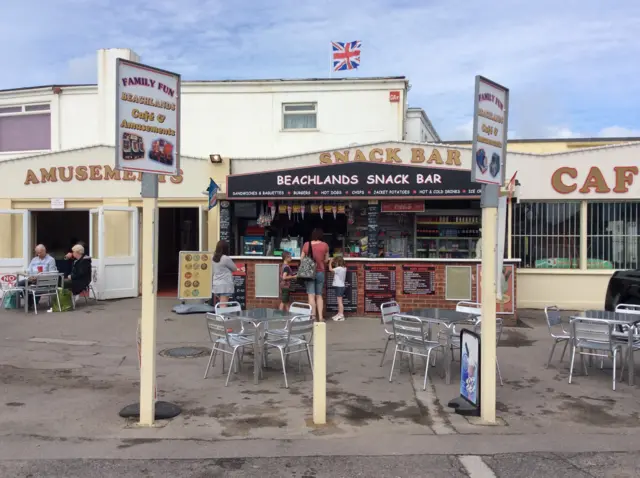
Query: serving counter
[413, 283]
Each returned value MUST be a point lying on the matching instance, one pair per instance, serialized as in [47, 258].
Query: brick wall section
[407, 302]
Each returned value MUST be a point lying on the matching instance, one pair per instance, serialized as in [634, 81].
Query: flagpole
[331, 61]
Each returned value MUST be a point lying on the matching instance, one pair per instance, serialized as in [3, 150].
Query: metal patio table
[448, 318]
[619, 318]
[258, 318]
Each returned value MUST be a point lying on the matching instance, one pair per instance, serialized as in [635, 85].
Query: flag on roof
[346, 55]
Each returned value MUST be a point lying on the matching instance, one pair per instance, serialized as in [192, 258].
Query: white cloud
[567, 64]
[619, 132]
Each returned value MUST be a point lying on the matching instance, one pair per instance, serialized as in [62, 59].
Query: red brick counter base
[437, 299]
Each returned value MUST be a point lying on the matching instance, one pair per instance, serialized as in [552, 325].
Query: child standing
[339, 270]
[285, 281]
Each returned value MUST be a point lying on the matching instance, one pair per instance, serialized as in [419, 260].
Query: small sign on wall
[394, 97]
[57, 203]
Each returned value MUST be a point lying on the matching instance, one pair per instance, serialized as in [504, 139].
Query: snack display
[195, 275]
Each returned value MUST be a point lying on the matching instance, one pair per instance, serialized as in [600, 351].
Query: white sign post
[148, 141]
[488, 165]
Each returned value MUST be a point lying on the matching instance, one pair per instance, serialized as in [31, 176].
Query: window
[612, 235]
[25, 128]
[547, 235]
[300, 116]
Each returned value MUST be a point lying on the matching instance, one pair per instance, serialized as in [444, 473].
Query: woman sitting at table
[80, 276]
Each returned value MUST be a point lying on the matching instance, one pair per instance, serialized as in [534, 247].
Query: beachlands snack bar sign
[148, 119]
[353, 180]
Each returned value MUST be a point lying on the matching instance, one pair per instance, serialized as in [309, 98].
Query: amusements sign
[491, 108]
[148, 119]
[379, 286]
[240, 285]
[350, 299]
[418, 280]
[353, 180]
[195, 275]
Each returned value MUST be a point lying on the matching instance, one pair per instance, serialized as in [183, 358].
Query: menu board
[418, 280]
[373, 212]
[225, 221]
[195, 275]
[350, 298]
[240, 285]
[379, 286]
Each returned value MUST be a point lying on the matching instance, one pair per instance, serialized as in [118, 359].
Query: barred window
[547, 235]
[612, 235]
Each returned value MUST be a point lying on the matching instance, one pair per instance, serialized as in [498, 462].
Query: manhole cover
[185, 352]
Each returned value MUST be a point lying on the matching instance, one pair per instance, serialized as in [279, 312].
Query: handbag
[307, 268]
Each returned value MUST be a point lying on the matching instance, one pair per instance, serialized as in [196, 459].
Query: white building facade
[231, 118]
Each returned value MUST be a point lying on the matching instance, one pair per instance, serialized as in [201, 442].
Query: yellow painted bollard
[319, 373]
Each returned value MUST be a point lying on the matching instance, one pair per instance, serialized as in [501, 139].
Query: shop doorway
[59, 231]
[178, 230]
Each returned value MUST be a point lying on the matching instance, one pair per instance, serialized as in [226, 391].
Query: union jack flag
[346, 55]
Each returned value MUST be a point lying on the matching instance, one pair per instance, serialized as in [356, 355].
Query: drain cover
[185, 352]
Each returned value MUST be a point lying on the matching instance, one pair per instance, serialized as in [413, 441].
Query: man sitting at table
[80, 276]
[41, 263]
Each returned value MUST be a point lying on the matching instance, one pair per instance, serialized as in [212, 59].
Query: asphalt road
[618, 465]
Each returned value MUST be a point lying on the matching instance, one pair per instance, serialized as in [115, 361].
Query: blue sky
[573, 67]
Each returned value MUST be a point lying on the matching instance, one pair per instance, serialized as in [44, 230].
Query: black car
[624, 288]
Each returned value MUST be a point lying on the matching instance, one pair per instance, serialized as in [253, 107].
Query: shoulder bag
[307, 269]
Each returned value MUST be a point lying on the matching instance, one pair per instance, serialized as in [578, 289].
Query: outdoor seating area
[25, 290]
[597, 333]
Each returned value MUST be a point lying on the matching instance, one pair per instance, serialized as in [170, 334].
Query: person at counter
[315, 287]
[223, 269]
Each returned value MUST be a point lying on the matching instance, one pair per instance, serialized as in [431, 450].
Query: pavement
[64, 377]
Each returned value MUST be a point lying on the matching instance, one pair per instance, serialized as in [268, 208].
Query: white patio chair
[294, 343]
[218, 328]
[45, 285]
[593, 337]
[246, 328]
[297, 309]
[556, 331]
[452, 333]
[620, 332]
[388, 310]
[410, 336]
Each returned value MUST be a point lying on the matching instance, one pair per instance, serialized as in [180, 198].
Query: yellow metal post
[149, 303]
[488, 324]
[320, 373]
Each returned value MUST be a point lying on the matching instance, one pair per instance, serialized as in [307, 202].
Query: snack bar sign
[148, 119]
[353, 180]
[489, 132]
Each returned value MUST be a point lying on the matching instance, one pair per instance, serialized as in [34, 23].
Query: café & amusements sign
[97, 172]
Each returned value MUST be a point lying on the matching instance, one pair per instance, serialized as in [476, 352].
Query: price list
[240, 285]
[379, 286]
[418, 280]
[350, 299]
[373, 212]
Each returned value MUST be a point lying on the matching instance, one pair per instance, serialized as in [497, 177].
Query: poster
[505, 305]
[470, 367]
[489, 147]
[147, 119]
[195, 275]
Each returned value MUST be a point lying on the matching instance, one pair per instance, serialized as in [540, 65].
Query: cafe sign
[353, 180]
